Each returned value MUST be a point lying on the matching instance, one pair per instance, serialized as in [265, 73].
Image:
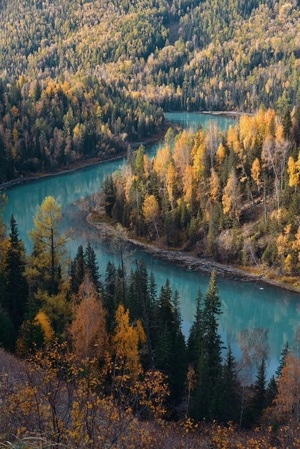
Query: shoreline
[85, 163]
[189, 261]
[81, 164]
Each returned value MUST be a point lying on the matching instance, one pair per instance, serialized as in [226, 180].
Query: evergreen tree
[271, 392]
[109, 295]
[7, 330]
[77, 270]
[258, 401]
[168, 341]
[285, 351]
[230, 391]
[140, 304]
[92, 266]
[206, 401]
[195, 339]
[110, 195]
[178, 359]
[16, 284]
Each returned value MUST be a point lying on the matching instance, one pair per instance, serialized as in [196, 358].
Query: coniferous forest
[100, 361]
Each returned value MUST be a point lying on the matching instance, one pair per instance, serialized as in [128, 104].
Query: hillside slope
[81, 79]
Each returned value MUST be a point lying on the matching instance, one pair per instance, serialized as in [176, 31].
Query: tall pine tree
[206, 403]
[16, 284]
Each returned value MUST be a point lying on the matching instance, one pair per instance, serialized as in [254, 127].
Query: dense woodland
[232, 196]
[84, 79]
[101, 361]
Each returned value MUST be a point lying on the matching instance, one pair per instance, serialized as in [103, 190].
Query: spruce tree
[140, 304]
[206, 401]
[168, 341]
[77, 270]
[7, 330]
[231, 391]
[92, 266]
[16, 284]
[285, 351]
[195, 339]
[109, 295]
[258, 401]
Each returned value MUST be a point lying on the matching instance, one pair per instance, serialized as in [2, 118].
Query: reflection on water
[244, 305]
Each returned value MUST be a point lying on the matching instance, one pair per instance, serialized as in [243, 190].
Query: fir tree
[206, 400]
[109, 295]
[16, 284]
[77, 270]
[230, 391]
[195, 339]
[7, 330]
[168, 340]
[258, 401]
[285, 351]
[92, 266]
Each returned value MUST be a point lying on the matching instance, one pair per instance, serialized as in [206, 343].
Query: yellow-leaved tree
[88, 328]
[126, 342]
[47, 260]
[287, 401]
[151, 211]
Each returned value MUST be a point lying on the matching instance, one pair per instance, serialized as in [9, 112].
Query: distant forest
[85, 79]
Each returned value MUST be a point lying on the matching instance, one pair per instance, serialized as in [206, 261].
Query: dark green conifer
[7, 330]
[92, 266]
[195, 339]
[109, 295]
[168, 340]
[231, 391]
[285, 351]
[206, 400]
[16, 294]
[258, 401]
[77, 270]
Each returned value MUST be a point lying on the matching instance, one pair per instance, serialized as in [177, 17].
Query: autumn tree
[88, 328]
[47, 259]
[287, 402]
[126, 342]
[151, 211]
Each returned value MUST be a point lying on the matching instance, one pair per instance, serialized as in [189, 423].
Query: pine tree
[140, 304]
[16, 283]
[206, 399]
[168, 340]
[92, 266]
[109, 295]
[7, 330]
[77, 270]
[195, 339]
[284, 353]
[230, 391]
[258, 401]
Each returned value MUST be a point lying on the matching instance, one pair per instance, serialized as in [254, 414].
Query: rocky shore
[186, 260]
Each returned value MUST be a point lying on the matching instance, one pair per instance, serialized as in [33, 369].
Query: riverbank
[187, 260]
[82, 164]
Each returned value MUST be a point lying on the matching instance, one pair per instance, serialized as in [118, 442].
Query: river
[246, 306]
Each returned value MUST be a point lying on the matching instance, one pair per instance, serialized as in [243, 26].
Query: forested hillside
[101, 361]
[82, 79]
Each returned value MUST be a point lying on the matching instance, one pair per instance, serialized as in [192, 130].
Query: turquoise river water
[248, 306]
